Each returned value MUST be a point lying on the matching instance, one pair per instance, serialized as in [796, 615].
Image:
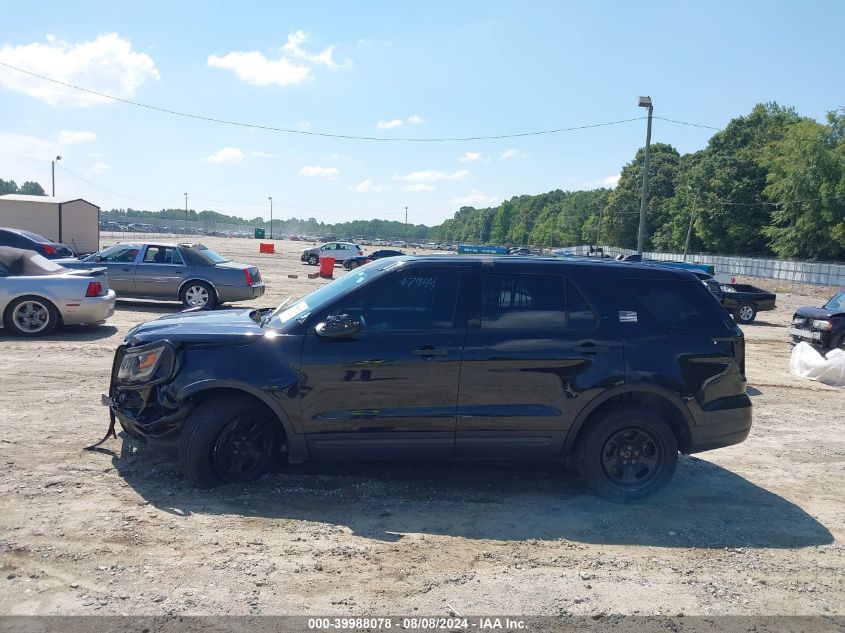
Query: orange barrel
[326, 267]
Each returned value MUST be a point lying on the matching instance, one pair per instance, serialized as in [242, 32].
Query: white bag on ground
[807, 362]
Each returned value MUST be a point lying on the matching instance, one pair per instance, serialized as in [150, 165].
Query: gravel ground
[756, 528]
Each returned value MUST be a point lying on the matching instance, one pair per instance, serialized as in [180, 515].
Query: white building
[75, 222]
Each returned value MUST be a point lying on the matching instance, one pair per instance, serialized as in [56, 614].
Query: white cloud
[416, 119]
[430, 175]
[323, 172]
[387, 125]
[293, 66]
[260, 154]
[611, 181]
[368, 186]
[475, 199]
[69, 137]
[18, 145]
[419, 186]
[473, 157]
[227, 155]
[335, 156]
[510, 153]
[107, 64]
[97, 168]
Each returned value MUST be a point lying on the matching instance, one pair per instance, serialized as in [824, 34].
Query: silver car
[37, 294]
[191, 273]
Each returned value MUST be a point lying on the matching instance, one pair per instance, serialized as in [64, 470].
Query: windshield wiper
[270, 315]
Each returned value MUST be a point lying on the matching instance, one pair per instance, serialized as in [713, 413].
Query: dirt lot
[751, 529]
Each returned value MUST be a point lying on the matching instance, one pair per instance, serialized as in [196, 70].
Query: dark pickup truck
[824, 327]
[744, 301]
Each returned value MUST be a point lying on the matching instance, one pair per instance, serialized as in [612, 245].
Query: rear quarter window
[674, 304]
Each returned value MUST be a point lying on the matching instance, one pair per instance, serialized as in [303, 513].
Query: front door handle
[590, 348]
[428, 351]
[126, 269]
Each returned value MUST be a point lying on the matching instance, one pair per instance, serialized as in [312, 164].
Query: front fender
[297, 447]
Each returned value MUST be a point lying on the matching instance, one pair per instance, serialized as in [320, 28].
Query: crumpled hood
[202, 326]
[817, 313]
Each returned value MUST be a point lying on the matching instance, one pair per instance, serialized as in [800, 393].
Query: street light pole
[645, 102]
[186, 213]
[270, 198]
[406, 223]
[53, 170]
[691, 219]
[598, 230]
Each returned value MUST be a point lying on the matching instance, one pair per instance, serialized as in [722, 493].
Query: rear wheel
[31, 316]
[627, 454]
[198, 294]
[352, 263]
[228, 440]
[745, 312]
[313, 260]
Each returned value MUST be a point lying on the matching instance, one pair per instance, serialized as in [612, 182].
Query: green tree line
[770, 183]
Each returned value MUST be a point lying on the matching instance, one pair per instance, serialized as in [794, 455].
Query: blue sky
[390, 69]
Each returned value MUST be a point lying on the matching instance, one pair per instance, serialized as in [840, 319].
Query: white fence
[820, 273]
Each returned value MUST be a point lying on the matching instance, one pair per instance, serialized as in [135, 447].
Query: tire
[228, 440]
[31, 316]
[313, 260]
[351, 264]
[745, 312]
[840, 344]
[603, 446]
[198, 294]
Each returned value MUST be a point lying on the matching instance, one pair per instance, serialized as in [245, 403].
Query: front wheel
[313, 260]
[745, 312]
[352, 264]
[228, 440]
[31, 316]
[627, 454]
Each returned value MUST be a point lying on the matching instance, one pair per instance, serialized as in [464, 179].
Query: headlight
[140, 366]
[822, 325]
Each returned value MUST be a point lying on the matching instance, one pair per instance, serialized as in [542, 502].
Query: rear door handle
[428, 351]
[590, 348]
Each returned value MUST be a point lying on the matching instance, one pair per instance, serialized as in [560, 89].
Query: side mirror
[339, 326]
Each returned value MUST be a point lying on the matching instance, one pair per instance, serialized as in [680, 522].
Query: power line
[114, 193]
[328, 134]
[708, 127]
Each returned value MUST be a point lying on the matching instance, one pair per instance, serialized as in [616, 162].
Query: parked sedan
[37, 294]
[824, 327]
[354, 262]
[340, 251]
[192, 273]
[18, 238]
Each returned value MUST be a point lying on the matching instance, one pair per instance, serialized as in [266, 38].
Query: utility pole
[598, 230]
[53, 164]
[691, 219]
[270, 198]
[186, 213]
[645, 102]
[406, 223]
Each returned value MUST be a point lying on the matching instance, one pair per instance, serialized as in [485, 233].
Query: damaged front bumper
[147, 411]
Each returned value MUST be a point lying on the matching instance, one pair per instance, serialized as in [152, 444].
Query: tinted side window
[579, 314]
[161, 255]
[679, 305]
[523, 302]
[409, 300]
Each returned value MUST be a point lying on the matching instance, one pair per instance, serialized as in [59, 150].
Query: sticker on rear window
[627, 316]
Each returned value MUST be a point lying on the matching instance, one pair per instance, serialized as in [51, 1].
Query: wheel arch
[657, 399]
[193, 279]
[199, 391]
[7, 307]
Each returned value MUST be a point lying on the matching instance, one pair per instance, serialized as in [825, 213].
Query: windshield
[837, 302]
[217, 258]
[288, 311]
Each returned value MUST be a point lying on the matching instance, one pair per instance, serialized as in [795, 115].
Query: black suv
[615, 367]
